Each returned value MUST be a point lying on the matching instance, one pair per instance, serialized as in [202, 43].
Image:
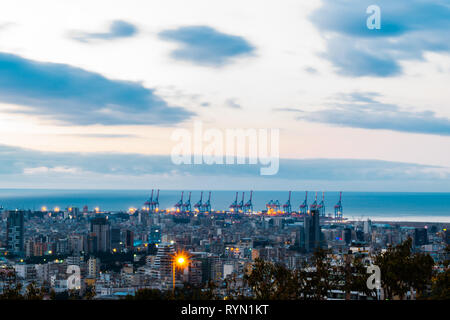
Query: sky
[91, 92]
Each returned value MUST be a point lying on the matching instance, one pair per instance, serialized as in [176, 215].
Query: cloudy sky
[91, 91]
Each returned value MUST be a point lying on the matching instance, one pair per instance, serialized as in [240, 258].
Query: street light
[180, 260]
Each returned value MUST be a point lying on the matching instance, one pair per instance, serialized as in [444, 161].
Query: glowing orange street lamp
[180, 260]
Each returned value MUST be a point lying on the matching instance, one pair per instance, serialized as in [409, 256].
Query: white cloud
[48, 170]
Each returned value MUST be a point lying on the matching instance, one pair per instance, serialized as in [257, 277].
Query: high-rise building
[348, 235]
[115, 239]
[91, 243]
[367, 226]
[155, 234]
[312, 232]
[420, 236]
[14, 232]
[101, 227]
[74, 212]
[164, 260]
[93, 267]
[129, 239]
[360, 236]
[195, 272]
[76, 243]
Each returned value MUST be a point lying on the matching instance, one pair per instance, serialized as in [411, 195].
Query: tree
[11, 288]
[440, 289]
[210, 292]
[261, 280]
[89, 293]
[320, 281]
[52, 294]
[33, 293]
[352, 276]
[402, 270]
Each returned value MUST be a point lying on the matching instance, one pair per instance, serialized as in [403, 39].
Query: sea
[377, 206]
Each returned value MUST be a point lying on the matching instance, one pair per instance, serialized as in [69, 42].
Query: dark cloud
[204, 45]
[75, 96]
[17, 161]
[409, 28]
[362, 110]
[117, 29]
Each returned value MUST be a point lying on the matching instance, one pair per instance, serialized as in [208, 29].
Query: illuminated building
[163, 261]
[155, 235]
[116, 239]
[312, 230]
[93, 267]
[102, 229]
[14, 232]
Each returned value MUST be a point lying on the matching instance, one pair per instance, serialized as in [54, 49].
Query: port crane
[155, 202]
[321, 206]
[273, 206]
[207, 205]
[304, 205]
[234, 205]
[198, 206]
[187, 204]
[249, 205]
[149, 203]
[338, 209]
[314, 204]
[287, 208]
[240, 205]
[179, 204]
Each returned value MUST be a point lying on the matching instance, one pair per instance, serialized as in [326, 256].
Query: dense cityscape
[191, 250]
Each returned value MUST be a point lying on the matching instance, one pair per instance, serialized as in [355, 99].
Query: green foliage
[11, 288]
[33, 293]
[440, 289]
[262, 279]
[401, 270]
[270, 281]
[89, 293]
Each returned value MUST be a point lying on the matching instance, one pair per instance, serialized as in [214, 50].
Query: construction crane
[338, 215]
[234, 205]
[304, 205]
[187, 204]
[179, 204]
[321, 206]
[240, 205]
[149, 203]
[287, 206]
[198, 206]
[207, 205]
[248, 206]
